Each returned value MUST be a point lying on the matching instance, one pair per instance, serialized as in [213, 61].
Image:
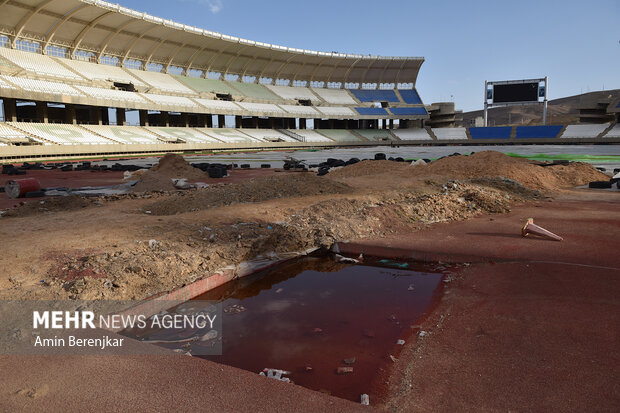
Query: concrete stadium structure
[71, 70]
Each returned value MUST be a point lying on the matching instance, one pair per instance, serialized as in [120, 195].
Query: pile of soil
[366, 168]
[254, 190]
[50, 204]
[153, 181]
[174, 166]
[483, 164]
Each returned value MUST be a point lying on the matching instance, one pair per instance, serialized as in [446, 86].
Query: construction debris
[276, 374]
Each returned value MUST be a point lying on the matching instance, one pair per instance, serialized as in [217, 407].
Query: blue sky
[575, 43]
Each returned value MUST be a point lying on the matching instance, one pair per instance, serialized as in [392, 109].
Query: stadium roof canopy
[109, 29]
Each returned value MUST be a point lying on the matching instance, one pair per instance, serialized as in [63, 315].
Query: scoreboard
[515, 92]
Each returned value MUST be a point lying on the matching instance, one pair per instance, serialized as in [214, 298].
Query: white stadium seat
[335, 96]
[42, 86]
[38, 64]
[94, 71]
[301, 110]
[450, 134]
[339, 135]
[268, 108]
[188, 135]
[62, 134]
[336, 111]
[219, 105]
[8, 134]
[294, 93]
[584, 131]
[112, 94]
[414, 134]
[128, 135]
[5, 85]
[267, 135]
[169, 100]
[162, 81]
[227, 135]
[614, 132]
[310, 135]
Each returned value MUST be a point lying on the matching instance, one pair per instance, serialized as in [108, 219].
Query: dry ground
[147, 243]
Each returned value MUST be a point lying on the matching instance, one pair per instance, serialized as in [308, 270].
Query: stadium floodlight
[516, 93]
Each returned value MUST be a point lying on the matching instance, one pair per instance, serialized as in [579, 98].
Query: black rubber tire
[600, 185]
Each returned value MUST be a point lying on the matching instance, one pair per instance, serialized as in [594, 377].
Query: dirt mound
[482, 165]
[531, 175]
[365, 168]
[174, 166]
[254, 190]
[153, 181]
[50, 204]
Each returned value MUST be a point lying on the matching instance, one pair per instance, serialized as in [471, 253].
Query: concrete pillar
[121, 117]
[96, 115]
[105, 116]
[10, 109]
[184, 120]
[144, 117]
[70, 114]
[221, 121]
[202, 120]
[42, 112]
[255, 122]
[331, 124]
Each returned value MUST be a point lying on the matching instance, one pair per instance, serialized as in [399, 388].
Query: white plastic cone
[532, 229]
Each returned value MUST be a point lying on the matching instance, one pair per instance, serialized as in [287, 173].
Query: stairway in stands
[292, 135]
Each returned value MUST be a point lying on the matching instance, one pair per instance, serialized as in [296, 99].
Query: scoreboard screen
[515, 92]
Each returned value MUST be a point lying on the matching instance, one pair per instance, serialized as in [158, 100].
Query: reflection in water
[309, 315]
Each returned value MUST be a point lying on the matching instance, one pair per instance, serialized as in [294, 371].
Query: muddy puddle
[331, 325]
[315, 315]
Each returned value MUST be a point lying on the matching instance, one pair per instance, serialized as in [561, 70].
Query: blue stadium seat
[372, 111]
[410, 96]
[364, 95]
[538, 132]
[500, 132]
[408, 111]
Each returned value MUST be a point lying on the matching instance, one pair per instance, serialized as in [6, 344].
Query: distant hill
[560, 111]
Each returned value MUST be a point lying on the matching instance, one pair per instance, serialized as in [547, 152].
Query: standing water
[314, 315]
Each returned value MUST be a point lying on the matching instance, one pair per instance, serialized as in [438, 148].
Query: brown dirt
[49, 204]
[530, 325]
[254, 190]
[174, 166]
[481, 164]
[197, 232]
[154, 181]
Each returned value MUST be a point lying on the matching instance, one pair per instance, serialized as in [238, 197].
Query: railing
[292, 135]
